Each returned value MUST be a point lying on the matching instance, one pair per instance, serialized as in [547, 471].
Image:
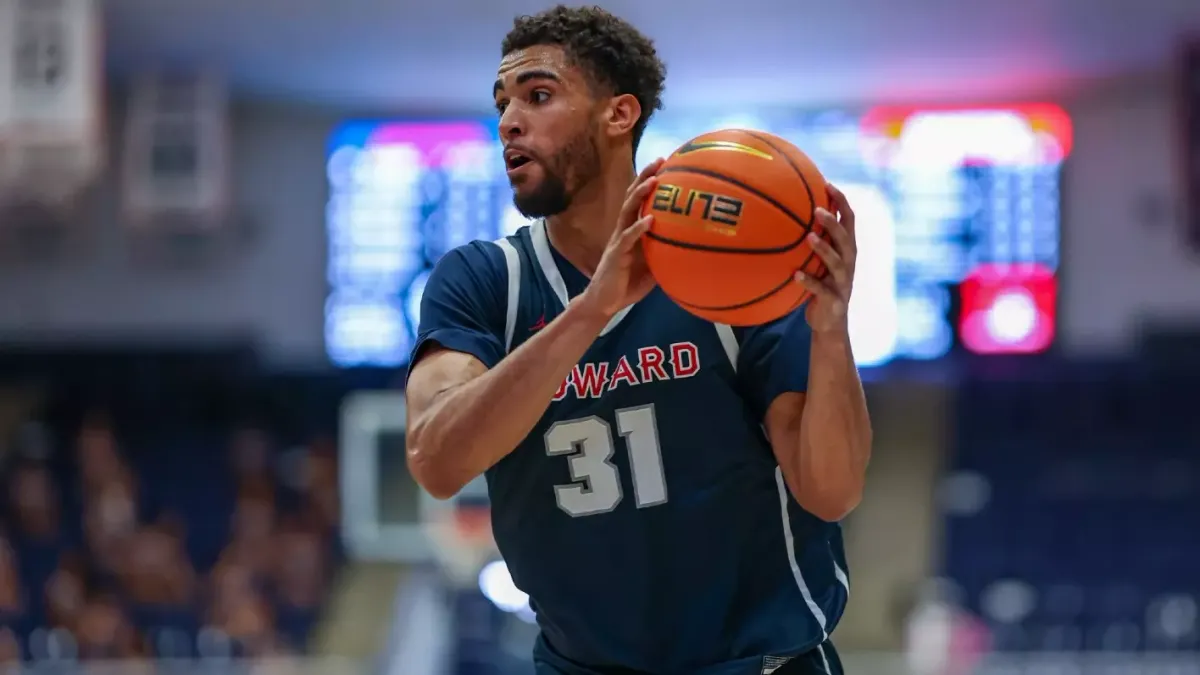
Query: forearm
[474, 425]
[833, 443]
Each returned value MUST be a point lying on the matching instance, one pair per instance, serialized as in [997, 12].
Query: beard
[576, 164]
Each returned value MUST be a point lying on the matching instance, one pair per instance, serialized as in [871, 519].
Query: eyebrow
[526, 77]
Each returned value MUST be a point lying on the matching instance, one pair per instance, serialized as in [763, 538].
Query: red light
[1008, 309]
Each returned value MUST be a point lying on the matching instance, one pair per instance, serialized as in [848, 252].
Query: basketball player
[666, 490]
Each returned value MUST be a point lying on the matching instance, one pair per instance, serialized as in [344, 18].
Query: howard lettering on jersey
[651, 364]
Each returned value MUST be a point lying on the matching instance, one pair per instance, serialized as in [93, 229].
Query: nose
[512, 124]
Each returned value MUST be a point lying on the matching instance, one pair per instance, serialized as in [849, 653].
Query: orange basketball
[732, 211]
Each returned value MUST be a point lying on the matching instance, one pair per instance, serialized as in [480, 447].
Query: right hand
[622, 277]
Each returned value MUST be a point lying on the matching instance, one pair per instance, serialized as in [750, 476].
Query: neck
[582, 231]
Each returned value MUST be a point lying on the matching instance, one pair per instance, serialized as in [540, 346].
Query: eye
[539, 96]
[501, 106]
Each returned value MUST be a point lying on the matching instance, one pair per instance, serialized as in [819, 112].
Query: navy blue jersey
[645, 514]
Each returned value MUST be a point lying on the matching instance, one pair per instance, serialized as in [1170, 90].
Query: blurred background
[217, 219]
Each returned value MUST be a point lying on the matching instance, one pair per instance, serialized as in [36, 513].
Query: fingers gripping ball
[731, 213]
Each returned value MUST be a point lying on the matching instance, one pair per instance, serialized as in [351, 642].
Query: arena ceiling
[377, 55]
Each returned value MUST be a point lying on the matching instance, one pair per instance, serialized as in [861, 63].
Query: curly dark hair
[615, 55]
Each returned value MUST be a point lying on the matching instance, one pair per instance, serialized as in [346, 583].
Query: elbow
[430, 477]
[831, 504]
[834, 508]
[441, 491]
[428, 473]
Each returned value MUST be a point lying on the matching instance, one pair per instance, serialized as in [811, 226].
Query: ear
[622, 114]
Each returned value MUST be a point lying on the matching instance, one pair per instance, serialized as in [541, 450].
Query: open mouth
[514, 159]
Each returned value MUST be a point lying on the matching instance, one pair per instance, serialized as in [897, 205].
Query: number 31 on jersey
[589, 446]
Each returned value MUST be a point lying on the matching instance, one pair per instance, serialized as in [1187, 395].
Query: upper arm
[773, 361]
[782, 420]
[440, 370]
[461, 333]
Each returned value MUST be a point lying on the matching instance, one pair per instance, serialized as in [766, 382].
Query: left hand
[827, 309]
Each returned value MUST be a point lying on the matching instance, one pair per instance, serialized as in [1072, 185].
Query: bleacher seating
[167, 517]
[1071, 511]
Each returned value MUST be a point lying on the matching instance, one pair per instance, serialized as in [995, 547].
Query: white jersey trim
[545, 260]
[513, 261]
[729, 343]
[790, 544]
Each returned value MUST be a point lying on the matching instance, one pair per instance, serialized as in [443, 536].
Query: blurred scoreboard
[1190, 113]
[958, 213]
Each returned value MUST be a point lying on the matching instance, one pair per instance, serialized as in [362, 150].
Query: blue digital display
[938, 193]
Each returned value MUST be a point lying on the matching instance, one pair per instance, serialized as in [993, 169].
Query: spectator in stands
[65, 592]
[104, 632]
[250, 455]
[110, 518]
[129, 588]
[251, 542]
[232, 581]
[158, 580]
[319, 484]
[10, 652]
[99, 462]
[35, 506]
[12, 602]
[38, 536]
[300, 578]
[249, 622]
[242, 577]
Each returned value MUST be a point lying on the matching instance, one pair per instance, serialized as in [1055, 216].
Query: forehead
[538, 58]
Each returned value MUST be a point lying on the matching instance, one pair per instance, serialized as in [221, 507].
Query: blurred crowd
[1070, 508]
[184, 543]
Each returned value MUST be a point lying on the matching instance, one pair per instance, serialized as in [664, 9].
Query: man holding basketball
[666, 490]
